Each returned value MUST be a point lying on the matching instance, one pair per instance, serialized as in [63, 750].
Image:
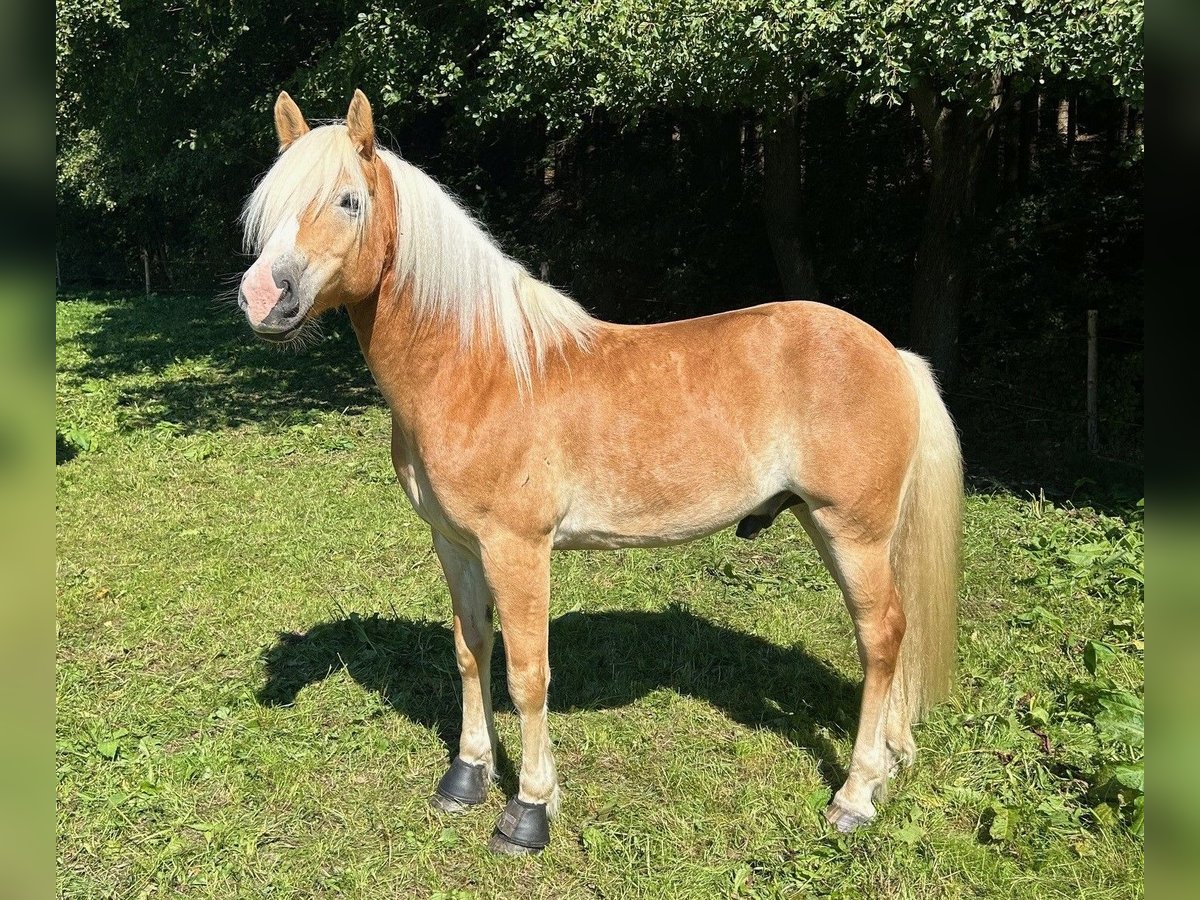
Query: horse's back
[773, 366]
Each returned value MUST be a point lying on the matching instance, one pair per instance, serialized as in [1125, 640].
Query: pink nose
[259, 291]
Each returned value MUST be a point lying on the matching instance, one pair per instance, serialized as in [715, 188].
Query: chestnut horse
[521, 425]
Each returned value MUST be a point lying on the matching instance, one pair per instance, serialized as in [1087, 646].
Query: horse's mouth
[283, 337]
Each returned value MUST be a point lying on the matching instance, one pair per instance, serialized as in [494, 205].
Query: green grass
[256, 686]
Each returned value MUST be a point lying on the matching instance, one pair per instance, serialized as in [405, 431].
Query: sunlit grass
[256, 685]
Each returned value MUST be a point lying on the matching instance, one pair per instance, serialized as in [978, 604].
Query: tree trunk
[549, 165]
[1047, 121]
[991, 188]
[1019, 133]
[752, 163]
[1064, 118]
[1068, 122]
[1028, 139]
[166, 265]
[958, 146]
[782, 204]
[1012, 151]
[1118, 129]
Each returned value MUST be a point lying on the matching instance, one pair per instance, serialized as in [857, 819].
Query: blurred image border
[1173, 526]
[27, 645]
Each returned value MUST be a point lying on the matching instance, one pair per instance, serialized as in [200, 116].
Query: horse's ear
[289, 121]
[361, 125]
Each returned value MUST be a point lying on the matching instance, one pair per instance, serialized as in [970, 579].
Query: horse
[522, 425]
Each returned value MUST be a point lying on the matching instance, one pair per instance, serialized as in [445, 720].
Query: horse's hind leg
[862, 567]
[471, 773]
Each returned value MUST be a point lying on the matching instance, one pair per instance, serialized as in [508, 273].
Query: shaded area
[597, 660]
[210, 372]
[1108, 486]
[64, 450]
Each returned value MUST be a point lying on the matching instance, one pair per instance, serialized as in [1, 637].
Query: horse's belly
[608, 525]
[676, 487]
[610, 537]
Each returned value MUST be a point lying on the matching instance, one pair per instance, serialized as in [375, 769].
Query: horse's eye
[350, 204]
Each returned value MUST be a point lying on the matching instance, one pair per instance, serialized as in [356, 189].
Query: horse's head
[319, 237]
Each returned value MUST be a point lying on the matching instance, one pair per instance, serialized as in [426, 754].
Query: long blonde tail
[925, 554]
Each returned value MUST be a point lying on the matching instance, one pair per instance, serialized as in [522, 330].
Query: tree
[163, 108]
[962, 63]
[629, 57]
[959, 62]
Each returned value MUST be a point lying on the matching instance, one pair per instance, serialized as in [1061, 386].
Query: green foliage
[959, 44]
[1118, 717]
[78, 438]
[1102, 557]
[406, 56]
[629, 56]
[163, 123]
[157, 103]
[1093, 552]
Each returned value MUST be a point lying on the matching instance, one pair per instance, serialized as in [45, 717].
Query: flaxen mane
[453, 269]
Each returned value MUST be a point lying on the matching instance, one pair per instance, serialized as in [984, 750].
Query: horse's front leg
[471, 773]
[518, 573]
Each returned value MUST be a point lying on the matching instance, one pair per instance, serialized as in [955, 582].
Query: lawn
[256, 687]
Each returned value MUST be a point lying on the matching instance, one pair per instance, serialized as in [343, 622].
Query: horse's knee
[471, 649]
[528, 685]
[473, 643]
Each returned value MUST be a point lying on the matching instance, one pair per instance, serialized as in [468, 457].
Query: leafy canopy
[631, 55]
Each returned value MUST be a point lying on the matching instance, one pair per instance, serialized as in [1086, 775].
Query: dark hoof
[522, 828]
[450, 805]
[845, 820]
[502, 846]
[463, 786]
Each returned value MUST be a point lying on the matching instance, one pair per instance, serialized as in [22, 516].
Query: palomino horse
[521, 425]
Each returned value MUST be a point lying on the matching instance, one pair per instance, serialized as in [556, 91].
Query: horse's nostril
[243, 303]
[288, 303]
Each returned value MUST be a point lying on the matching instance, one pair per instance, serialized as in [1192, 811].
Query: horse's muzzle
[287, 308]
[284, 319]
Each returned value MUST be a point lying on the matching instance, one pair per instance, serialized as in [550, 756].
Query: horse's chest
[415, 480]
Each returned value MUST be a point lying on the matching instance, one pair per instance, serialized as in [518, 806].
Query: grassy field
[257, 692]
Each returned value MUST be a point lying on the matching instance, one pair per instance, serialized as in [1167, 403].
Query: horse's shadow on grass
[597, 660]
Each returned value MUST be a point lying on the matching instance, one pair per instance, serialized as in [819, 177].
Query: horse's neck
[421, 368]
